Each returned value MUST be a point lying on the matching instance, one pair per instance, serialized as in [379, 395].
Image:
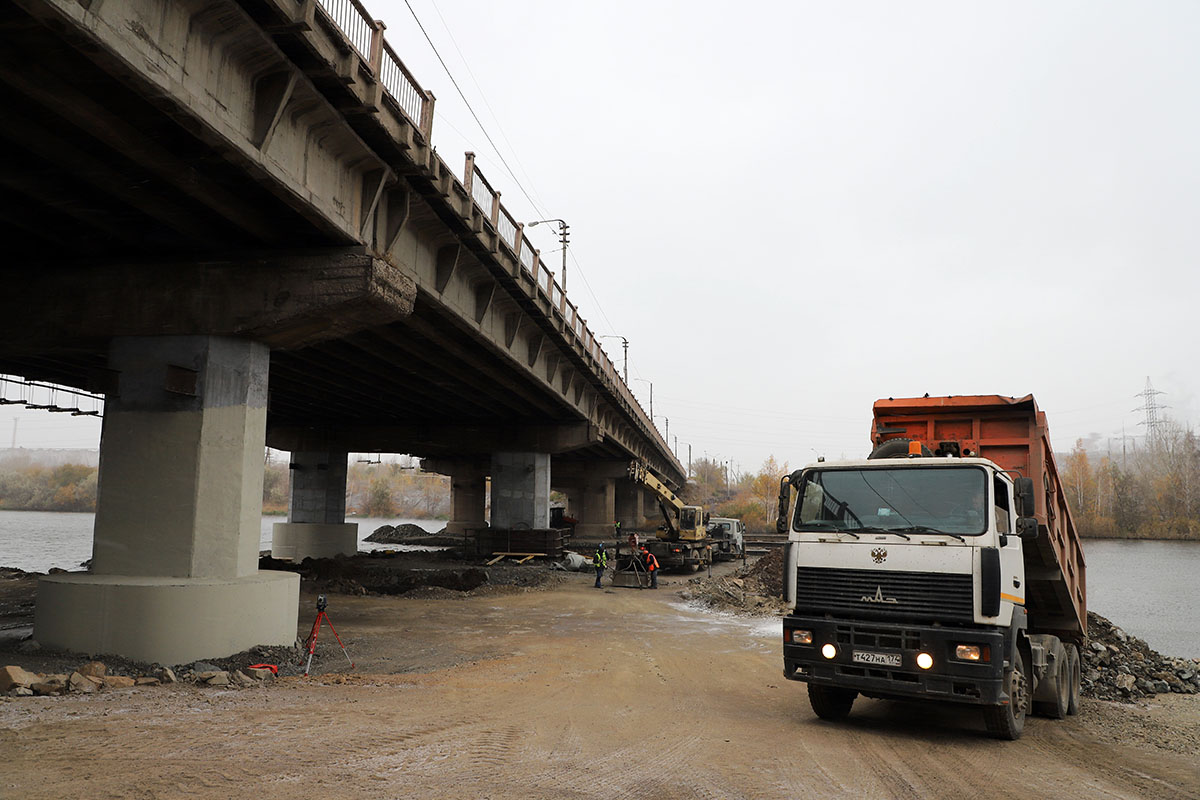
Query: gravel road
[566, 692]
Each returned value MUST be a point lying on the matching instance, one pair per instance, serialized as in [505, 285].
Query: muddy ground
[548, 688]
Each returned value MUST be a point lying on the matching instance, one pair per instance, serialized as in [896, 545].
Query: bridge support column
[468, 500]
[520, 490]
[316, 526]
[574, 503]
[175, 563]
[598, 508]
[630, 505]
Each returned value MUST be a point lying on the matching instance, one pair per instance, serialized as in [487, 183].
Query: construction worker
[651, 566]
[600, 561]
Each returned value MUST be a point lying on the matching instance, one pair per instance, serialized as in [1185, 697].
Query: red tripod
[310, 643]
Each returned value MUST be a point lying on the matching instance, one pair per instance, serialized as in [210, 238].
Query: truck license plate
[867, 657]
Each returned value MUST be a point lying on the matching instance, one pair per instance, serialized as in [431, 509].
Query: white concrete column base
[594, 530]
[296, 541]
[458, 527]
[166, 620]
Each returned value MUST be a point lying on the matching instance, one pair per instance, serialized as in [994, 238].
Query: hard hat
[600, 546]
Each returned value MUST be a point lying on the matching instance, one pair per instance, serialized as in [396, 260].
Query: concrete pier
[175, 566]
[520, 490]
[316, 526]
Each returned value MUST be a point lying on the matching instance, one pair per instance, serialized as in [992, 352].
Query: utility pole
[689, 462]
[563, 237]
[14, 439]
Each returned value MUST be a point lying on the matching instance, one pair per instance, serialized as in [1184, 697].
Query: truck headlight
[828, 650]
[972, 652]
[924, 660]
[798, 636]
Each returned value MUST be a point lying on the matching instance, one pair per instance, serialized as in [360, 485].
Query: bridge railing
[487, 200]
[365, 36]
[353, 20]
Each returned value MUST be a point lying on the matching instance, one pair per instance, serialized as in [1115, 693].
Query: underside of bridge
[215, 215]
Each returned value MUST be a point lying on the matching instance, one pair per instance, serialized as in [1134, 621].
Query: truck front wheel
[831, 703]
[1008, 721]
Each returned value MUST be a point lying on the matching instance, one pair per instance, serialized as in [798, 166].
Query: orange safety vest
[651, 561]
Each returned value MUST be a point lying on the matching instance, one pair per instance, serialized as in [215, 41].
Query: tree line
[1149, 491]
[372, 490]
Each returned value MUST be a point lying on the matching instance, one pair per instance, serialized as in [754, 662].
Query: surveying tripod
[310, 644]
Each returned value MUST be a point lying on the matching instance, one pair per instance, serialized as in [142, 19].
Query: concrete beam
[283, 301]
[451, 439]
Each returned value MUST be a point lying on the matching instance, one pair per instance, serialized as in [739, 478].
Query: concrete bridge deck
[229, 218]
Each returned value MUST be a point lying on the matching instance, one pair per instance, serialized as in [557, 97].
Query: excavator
[682, 542]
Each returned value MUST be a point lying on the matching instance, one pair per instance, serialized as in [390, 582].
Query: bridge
[229, 218]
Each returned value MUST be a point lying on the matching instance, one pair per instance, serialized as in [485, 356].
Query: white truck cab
[728, 537]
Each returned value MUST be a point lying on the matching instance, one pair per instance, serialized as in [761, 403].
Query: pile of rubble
[393, 534]
[755, 588]
[94, 677]
[1117, 666]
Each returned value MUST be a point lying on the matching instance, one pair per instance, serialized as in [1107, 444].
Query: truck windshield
[907, 500]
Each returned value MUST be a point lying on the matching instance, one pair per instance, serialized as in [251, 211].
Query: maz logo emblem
[879, 555]
[878, 598]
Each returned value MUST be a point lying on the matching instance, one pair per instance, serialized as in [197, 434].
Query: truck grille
[919, 596]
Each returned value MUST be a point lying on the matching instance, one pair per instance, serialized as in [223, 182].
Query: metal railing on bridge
[36, 395]
[365, 36]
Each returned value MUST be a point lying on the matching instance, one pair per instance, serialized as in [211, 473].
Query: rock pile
[397, 534]
[86, 679]
[236, 671]
[756, 587]
[1117, 666]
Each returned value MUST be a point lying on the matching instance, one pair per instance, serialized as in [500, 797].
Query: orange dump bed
[1011, 432]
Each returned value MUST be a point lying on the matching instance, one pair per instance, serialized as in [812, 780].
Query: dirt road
[566, 693]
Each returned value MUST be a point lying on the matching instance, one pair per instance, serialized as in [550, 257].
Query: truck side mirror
[1027, 528]
[1025, 498]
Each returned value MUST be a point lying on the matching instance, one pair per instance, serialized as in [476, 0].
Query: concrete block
[12, 676]
[297, 541]
[166, 620]
[93, 669]
[82, 683]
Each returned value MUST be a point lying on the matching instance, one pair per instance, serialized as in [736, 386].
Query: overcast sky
[792, 209]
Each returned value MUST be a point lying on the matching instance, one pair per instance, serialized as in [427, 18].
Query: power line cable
[468, 103]
[539, 208]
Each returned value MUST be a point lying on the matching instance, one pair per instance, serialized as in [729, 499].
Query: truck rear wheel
[1073, 669]
[831, 703]
[1059, 691]
[1008, 721]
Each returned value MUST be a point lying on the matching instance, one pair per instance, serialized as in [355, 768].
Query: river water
[1147, 588]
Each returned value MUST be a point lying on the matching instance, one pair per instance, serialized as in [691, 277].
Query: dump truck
[944, 566]
[681, 542]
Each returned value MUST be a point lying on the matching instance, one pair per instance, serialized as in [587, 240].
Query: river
[1146, 587]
